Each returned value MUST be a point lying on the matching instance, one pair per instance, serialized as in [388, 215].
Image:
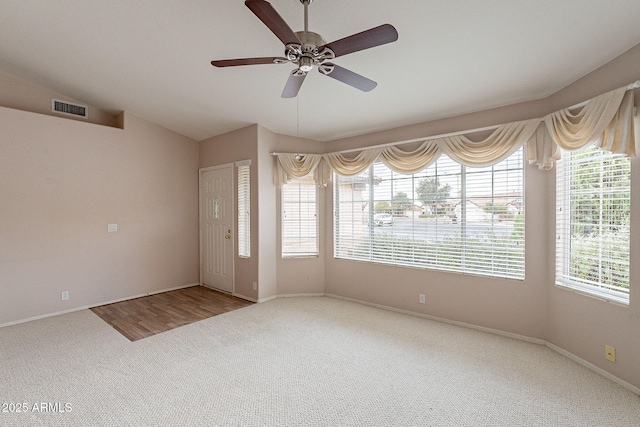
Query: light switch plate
[112, 228]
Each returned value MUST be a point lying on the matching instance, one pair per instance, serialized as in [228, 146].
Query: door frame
[233, 223]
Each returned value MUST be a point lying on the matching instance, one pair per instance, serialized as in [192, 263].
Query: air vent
[69, 109]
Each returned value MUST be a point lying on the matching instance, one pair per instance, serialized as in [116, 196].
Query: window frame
[285, 232]
[244, 208]
[563, 235]
[500, 258]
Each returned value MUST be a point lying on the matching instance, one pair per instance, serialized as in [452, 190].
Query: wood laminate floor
[143, 317]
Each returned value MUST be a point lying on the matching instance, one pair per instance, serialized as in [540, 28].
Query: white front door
[216, 227]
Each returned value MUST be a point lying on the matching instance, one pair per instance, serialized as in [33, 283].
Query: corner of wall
[267, 213]
[618, 72]
[575, 323]
[65, 182]
[120, 120]
[23, 95]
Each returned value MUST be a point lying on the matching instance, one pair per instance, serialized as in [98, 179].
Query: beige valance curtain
[292, 166]
[606, 120]
[499, 145]
[503, 142]
[346, 166]
[410, 161]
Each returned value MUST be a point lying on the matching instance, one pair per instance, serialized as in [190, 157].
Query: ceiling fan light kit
[307, 49]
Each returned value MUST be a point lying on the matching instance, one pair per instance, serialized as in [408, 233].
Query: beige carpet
[296, 362]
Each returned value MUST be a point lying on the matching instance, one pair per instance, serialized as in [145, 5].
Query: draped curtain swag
[292, 166]
[345, 166]
[606, 120]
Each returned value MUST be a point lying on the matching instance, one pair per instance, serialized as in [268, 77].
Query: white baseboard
[440, 319]
[71, 310]
[233, 294]
[593, 367]
[191, 285]
[216, 289]
[525, 338]
[549, 345]
[301, 295]
[245, 297]
[290, 296]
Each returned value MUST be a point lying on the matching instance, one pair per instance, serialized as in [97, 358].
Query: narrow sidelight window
[244, 210]
[299, 218]
[593, 207]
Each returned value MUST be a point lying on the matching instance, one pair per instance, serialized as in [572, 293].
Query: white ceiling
[152, 58]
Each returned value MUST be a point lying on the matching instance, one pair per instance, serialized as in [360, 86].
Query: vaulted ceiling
[152, 58]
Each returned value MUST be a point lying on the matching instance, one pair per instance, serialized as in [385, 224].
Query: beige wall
[583, 325]
[267, 286]
[230, 148]
[22, 95]
[534, 307]
[62, 181]
[580, 324]
[273, 275]
[300, 275]
[507, 305]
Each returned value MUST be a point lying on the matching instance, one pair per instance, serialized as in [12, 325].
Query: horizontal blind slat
[444, 217]
[593, 210]
[244, 211]
[299, 218]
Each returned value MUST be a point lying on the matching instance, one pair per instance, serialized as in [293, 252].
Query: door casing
[229, 213]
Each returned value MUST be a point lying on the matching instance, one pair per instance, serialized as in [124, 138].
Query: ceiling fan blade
[268, 15]
[293, 85]
[351, 78]
[248, 61]
[370, 38]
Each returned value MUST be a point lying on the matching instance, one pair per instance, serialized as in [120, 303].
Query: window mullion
[596, 244]
[463, 215]
[370, 213]
[299, 222]
[458, 231]
[600, 220]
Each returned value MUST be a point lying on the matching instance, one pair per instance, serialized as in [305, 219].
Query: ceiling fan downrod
[309, 50]
[306, 14]
[307, 55]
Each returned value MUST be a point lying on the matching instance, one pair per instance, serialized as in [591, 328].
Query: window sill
[432, 268]
[619, 301]
[299, 256]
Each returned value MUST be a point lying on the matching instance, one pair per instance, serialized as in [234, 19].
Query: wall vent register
[69, 109]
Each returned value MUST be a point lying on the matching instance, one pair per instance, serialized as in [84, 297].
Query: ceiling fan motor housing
[307, 54]
[305, 63]
[307, 49]
[311, 38]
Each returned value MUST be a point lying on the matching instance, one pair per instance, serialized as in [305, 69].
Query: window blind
[447, 216]
[244, 211]
[592, 215]
[299, 218]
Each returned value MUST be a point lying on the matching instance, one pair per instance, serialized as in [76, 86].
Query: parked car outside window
[382, 219]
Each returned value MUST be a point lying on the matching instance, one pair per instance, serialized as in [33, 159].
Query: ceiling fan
[307, 49]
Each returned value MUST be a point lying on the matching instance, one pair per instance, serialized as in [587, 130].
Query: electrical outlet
[610, 353]
[422, 298]
[64, 295]
[255, 286]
